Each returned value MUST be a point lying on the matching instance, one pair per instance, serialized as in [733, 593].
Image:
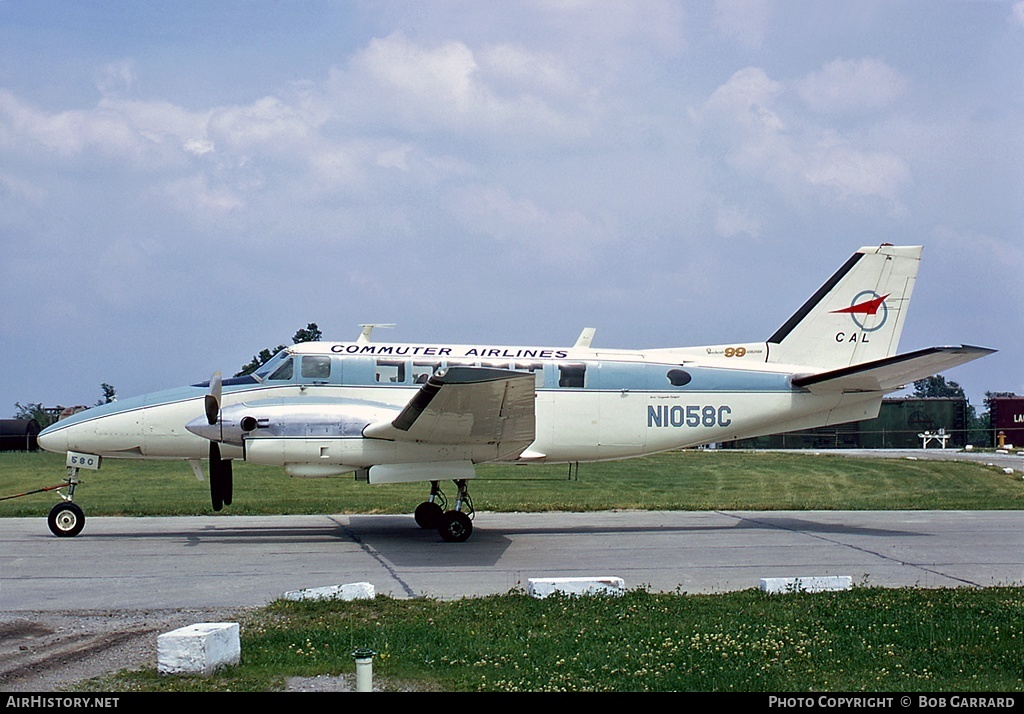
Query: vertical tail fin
[856, 316]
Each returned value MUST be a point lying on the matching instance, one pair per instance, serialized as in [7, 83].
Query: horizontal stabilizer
[467, 405]
[891, 373]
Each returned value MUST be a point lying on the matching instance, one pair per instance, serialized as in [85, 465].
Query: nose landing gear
[66, 519]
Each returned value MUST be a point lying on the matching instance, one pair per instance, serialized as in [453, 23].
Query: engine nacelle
[240, 423]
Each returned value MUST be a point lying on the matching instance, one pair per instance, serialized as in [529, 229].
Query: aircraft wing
[467, 405]
[891, 373]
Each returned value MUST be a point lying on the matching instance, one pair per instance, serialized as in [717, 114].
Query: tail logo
[868, 310]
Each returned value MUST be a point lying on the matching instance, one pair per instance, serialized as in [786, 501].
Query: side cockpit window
[316, 367]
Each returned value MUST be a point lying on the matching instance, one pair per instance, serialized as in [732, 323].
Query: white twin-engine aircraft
[429, 412]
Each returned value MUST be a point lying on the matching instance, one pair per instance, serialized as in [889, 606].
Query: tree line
[979, 426]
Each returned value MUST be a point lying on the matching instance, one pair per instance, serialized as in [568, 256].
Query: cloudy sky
[185, 183]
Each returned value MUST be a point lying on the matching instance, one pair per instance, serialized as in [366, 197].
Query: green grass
[865, 639]
[952, 640]
[689, 480]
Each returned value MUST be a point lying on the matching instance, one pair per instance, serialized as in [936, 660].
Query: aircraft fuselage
[317, 398]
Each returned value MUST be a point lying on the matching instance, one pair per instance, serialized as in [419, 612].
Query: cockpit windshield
[272, 366]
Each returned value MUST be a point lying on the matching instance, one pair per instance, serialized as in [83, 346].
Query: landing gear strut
[66, 519]
[454, 526]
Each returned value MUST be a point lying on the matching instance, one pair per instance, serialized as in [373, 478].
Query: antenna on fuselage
[364, 336]
[585, 337]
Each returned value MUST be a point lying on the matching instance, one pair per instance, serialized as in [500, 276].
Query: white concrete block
[198, 649]
[816, 584]
[349, 591]
[542, 587]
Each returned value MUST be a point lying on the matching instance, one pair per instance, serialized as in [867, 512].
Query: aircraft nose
[53, 439]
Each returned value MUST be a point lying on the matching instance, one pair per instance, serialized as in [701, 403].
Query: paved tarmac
[239, 561]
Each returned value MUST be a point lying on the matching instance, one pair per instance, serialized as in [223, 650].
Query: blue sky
[185, 183]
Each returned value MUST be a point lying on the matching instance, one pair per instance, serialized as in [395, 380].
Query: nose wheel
[66, 519]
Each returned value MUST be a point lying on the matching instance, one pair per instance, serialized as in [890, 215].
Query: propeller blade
[212, 400]
[216, 476]
[225, 491]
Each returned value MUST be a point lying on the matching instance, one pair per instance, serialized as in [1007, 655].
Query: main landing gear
[453, 525]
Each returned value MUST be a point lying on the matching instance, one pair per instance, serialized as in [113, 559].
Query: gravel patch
[50, 651]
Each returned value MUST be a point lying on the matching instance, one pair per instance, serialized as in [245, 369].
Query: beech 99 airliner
[391, 413]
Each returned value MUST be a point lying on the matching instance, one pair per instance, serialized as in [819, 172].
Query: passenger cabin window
[678, 377]
[284, 372]
[422, 371]
[572, 375]
[317, 367]
[535, 368]
[390, 371]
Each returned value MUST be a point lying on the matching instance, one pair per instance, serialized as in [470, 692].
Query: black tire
[428, 515]
[66, 520]
[455, 527]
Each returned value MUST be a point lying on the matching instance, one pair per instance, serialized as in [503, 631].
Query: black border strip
[799, 315]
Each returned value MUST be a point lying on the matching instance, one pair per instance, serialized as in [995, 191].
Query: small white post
[364, 669]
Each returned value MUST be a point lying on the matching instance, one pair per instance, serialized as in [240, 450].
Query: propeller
[220, 469]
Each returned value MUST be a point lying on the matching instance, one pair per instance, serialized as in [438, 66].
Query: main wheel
[455, 527]
[428, 515]
[66, 520]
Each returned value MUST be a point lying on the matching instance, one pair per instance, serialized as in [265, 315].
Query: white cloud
[122, 134]
[194, 197]
[530, 230]
[268, 126]
[732, 221]
[450, 87]
[117, 78]
[745, 102]
[754, 121]
[20, 192]
[1017, 13]
[851, 84]
[199, 147]
[853, 172]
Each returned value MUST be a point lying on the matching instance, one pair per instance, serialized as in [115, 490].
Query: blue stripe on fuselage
[600, 376]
